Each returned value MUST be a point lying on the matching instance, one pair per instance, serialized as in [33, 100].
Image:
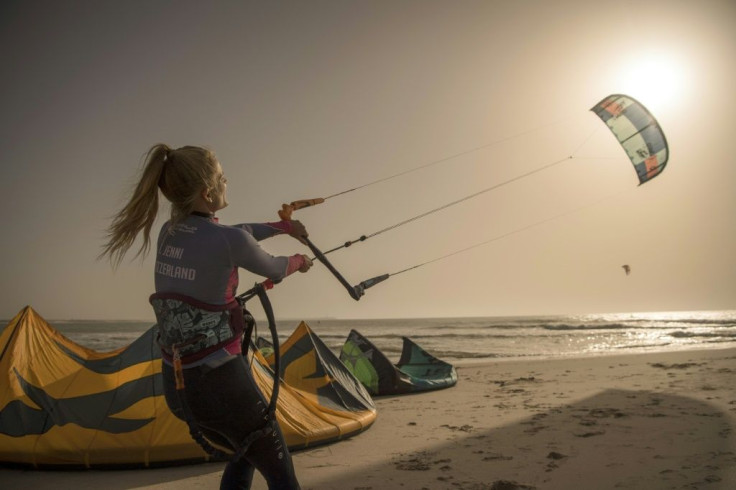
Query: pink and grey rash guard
[200, 258]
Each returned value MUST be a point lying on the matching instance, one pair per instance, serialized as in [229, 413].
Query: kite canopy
[63, 405]
[638, 132]
[312, 371]
[416, 370]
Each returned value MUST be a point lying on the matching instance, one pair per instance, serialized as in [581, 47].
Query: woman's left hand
[298, 231]
[306, 265]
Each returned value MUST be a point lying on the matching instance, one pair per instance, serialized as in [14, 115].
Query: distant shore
[640, 421]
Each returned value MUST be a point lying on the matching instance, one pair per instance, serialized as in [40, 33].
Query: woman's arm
[246, 253]
[261, 231]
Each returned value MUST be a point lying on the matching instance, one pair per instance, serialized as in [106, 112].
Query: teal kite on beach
[417, 370]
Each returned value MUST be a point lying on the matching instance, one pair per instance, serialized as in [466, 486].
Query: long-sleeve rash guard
[199, 257]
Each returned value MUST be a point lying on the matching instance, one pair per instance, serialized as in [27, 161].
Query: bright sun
[655, 79]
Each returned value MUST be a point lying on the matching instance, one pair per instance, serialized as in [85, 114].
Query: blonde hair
[180, 174]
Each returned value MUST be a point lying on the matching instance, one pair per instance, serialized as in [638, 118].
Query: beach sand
[644, 421]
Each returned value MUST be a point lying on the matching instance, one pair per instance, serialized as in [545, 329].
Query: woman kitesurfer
[200, 323]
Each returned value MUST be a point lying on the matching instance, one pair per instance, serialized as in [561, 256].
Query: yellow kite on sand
[64, 405]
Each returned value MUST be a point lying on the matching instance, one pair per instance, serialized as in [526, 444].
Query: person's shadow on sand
[615, 439]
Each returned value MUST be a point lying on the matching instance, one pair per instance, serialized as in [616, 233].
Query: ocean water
[465, 340]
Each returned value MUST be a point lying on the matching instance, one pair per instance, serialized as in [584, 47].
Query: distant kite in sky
[638, 132]
[626, 268]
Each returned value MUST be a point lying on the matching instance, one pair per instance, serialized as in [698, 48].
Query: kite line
[635, 128]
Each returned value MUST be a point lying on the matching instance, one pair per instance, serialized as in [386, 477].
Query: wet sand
[643, 421]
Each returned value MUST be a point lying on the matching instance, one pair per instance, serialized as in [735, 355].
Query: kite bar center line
[449, 204]
[468, 197]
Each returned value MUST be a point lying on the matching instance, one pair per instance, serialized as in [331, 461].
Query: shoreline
[621, 420]
[625, 352]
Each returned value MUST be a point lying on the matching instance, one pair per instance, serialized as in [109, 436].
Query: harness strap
[176, 361]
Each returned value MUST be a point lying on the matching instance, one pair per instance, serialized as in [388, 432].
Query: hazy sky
[308, 98]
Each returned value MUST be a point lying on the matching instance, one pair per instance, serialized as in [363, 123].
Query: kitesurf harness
[189, 330]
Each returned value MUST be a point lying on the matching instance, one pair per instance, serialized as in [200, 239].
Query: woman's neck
[201, 208]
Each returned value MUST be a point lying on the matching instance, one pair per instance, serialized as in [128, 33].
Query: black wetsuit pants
[227, 405]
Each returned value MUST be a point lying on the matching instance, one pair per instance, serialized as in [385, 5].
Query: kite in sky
[638, 132]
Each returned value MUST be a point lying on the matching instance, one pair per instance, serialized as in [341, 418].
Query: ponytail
[140, 212]
[180, 175]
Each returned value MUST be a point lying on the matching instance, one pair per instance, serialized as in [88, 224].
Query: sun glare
[655, 79]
